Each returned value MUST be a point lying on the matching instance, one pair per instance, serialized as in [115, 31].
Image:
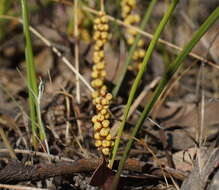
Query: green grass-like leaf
[172, 68]
[143, 67]
[128, 60]
[31, 73]
[34, 104]
[4, 7]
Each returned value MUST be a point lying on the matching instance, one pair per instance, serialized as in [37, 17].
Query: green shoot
[172, 68]
[140, 74]
[128, 60]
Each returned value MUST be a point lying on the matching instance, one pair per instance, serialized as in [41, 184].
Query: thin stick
[41, 154]
[64, 59]
[76, 51]
[76, 35]
[154, 156]
[202, 139]
[7, 143]
[102, 5]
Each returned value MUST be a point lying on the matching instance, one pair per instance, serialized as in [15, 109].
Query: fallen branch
[15, 172]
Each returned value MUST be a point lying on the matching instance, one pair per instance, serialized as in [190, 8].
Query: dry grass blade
[76, 34]
[7, 143]
[154, 156]
[64, 59]
[41, 154]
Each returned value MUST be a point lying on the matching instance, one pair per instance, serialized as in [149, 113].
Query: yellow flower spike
[99, 107]
[140, 43]
[104, 19]
[98, 100]
[100, 27]
[130, 40]
[98, 83]
[141, 53]
[126, 10]
[98, 143]
[126, 21]
[104, 41]
[109, 137]
[106, 143]
[101, 13]
[109, 96]
[105, 123]
[103, 111]
[136, 18]
[93, 83]
[132, 3]
[97, 126]
[100, 65]
[93, 101]
[106, 106]
[107, 116]
[85, 35]
[101, 98]
[104, 132]
[97, 136]
[96, 35]
[112, 143]
[132, 31]
[99, 43]
[96, 54]
[106, 151]
[95, 27]
[104, 101]
[130, 67]
[94, 74]
[97, 47]
[94, 119]
[104, 88]
[103, 91]
[94, 67]
[95, 94]
[105, 27]
[103, 74]
[101, 53]
[97, 21]
[96, 59]
[100, 117]
[135, 55]
[104, 35]
[130, 19]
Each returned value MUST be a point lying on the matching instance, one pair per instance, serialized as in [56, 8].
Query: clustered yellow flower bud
[131, 18]
[101, 97]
